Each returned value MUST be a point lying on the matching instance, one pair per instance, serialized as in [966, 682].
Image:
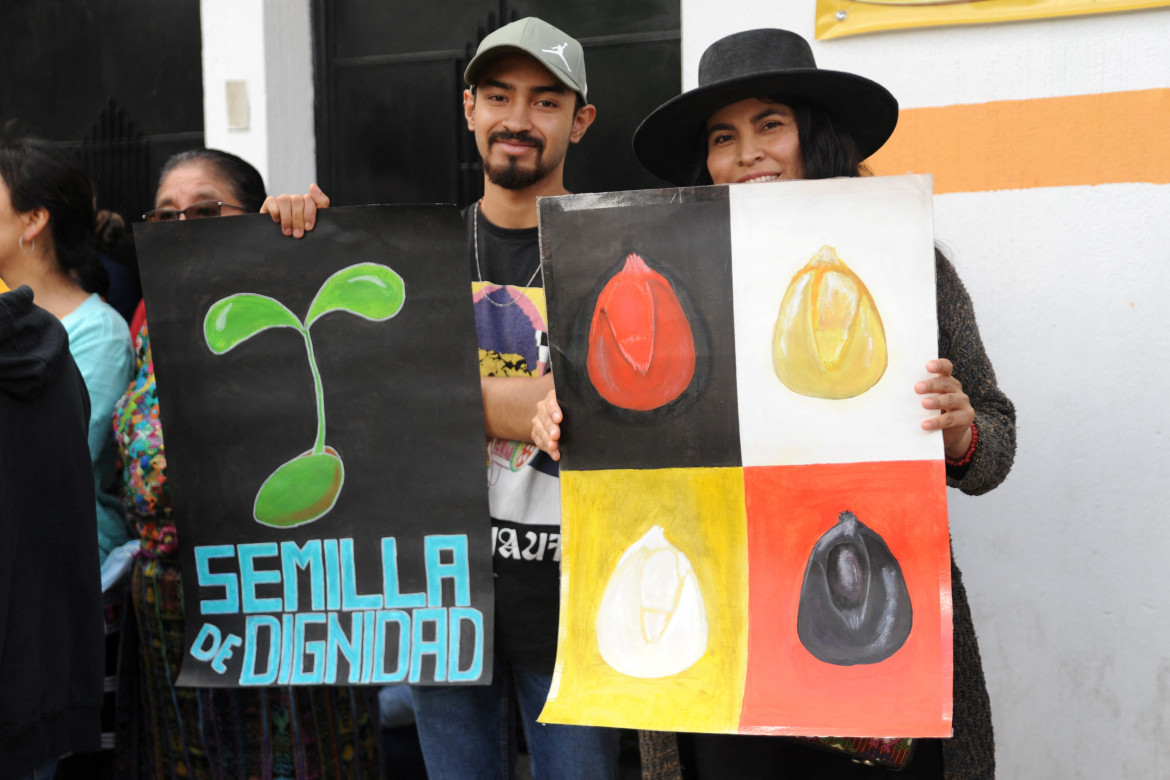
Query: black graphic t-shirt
[523, 485]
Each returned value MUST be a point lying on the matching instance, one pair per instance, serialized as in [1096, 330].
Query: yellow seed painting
[828, 341]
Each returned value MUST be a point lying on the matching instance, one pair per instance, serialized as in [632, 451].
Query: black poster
[324, 440]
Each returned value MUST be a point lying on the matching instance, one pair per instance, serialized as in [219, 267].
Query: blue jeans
[467, 732]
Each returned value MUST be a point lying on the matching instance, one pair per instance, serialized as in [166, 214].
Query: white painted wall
[1067, 564]
[267, 44]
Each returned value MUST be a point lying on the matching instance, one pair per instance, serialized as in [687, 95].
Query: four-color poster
[754, 522]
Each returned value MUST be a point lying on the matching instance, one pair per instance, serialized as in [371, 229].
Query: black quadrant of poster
[585, 242]
[393, 583]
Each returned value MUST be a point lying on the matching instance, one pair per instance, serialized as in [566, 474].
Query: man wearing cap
[526, 103]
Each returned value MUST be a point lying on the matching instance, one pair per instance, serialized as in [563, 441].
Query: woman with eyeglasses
[47, 242]
[171, 732]
[201, 183]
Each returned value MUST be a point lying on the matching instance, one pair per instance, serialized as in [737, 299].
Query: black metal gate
[120, 82]
[389, 83]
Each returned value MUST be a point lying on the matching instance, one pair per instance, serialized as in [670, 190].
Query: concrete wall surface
[1049, 143]
[266, 45]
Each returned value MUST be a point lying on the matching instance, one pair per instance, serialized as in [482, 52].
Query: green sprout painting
[306, 487]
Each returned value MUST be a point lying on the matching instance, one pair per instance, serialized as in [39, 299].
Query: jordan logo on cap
[559, 51]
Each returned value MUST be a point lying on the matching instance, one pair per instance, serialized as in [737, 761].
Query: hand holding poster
[754, 522]
[333, 523]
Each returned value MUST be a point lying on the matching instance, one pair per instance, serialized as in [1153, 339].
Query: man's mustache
[519, 138]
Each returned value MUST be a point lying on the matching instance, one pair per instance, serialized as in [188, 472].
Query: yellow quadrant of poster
[643, 646]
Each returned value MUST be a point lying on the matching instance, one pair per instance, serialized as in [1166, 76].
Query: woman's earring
[30, 249]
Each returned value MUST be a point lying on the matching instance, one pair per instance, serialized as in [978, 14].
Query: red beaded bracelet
[970, 450]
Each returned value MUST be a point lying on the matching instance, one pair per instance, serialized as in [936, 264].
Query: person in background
[47, 242]
[116, 252]
[763, 112]
[173, 732]
[50, 594]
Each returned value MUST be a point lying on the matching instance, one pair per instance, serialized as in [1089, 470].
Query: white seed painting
[652, 621]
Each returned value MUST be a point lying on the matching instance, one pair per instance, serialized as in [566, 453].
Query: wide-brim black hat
[760, 63]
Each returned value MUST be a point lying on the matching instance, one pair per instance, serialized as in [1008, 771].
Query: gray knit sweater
[995, 416]
[970, 753]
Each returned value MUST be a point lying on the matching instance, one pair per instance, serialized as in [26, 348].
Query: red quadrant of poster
[788, 509]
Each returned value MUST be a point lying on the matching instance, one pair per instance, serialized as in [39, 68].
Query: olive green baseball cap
[552, 48]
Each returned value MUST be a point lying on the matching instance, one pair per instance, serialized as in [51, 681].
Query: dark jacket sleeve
[995, 416]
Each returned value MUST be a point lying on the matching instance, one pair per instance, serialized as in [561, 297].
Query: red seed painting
[641, 347]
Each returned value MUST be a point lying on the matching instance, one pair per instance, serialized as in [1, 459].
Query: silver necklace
[475, 240]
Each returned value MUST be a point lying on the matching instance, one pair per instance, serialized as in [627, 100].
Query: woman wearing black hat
[764, 112]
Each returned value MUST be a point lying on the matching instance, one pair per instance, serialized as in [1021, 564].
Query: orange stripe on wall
[1045, 142]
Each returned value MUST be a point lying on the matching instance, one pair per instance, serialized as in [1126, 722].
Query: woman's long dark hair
[827, 150]
[245, 181]
[39, 174]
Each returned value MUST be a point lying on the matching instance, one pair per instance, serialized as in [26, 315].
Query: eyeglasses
[201, 210]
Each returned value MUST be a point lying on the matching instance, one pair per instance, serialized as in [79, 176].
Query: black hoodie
[51, 628]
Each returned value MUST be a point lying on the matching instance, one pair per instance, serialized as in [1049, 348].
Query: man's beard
[511, 176]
